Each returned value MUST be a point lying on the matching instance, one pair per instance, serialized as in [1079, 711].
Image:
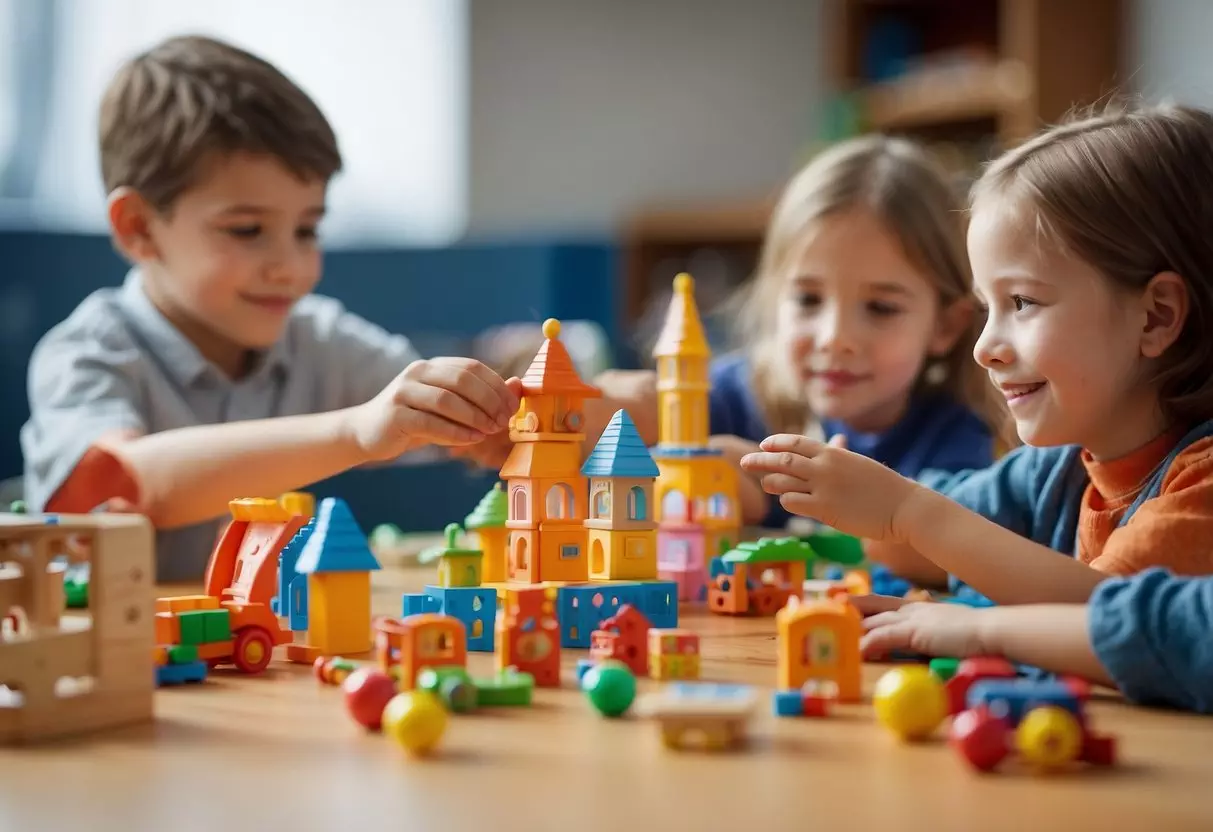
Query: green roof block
[450, 550]
[490, 512]
[836, 547]
[772, 550]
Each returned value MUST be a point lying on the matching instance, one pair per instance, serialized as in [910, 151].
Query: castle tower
[546, 490]
[696, 493]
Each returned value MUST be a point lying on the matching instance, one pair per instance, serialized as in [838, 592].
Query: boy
[213, 373]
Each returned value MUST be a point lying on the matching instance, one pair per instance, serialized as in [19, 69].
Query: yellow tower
[546, 489]
[697, 486]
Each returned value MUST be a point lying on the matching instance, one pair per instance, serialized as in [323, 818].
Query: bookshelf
[966, 77]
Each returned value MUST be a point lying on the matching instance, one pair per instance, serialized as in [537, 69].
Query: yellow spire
[682, 335]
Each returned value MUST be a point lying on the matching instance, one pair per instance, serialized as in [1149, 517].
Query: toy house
[673, 654]
[546, 490]
[622, 537]
[528, 634]
[458, 566]
[696, 492]
[818, 641]
[758, 577]
[417, 642]
[623, 637]
[486, 524]
[41, 668]
[338, 564]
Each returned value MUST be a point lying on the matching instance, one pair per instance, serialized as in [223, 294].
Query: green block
[509, 687]
[944, 669]
[836, 547]
[182, 654]
[193, 626]
[452, 684]
[217, 624]
[75, 593]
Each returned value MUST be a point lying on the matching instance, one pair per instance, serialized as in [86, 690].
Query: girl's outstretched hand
[923, 627]
[832, 485]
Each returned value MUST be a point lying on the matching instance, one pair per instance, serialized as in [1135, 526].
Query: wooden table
[250, 752]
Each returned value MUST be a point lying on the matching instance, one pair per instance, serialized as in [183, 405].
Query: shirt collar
[181, 359]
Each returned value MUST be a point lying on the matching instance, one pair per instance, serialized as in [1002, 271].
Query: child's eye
[307, 233]
[245, 232]
[808, 300]
[1022, 303]
[883, 310]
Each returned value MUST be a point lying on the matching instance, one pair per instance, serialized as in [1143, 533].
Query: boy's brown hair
[170, 110]
[1129, 192]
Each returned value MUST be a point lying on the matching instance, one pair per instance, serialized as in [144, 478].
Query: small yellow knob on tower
[684, 284]
[551, 328]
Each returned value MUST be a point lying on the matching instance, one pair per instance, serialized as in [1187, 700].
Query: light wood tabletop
[243, 752]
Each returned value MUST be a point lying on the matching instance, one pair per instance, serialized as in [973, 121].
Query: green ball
[18, 507]
[610, 687]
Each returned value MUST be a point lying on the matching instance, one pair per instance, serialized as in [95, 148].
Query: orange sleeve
[100, 479]
[1175, 529]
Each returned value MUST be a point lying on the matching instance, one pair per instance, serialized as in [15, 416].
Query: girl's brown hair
[909, 192]
[1130, 192]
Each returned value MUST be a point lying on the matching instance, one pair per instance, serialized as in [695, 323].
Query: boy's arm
[1052, 637]
[906, 562]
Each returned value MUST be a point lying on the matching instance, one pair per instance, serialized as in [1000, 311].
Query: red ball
[318, 667]
[981, 738]
[367, 691]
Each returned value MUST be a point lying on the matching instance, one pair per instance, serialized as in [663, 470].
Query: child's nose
[992, 349]
[838, 331]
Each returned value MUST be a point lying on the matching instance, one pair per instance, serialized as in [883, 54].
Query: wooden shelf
[738, 222]
[948, 97]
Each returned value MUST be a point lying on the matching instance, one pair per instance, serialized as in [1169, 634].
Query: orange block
[168, 628]
[160, 655]
[187, 603]
[215, 650]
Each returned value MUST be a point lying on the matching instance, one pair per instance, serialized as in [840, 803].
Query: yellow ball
[416, 720]
[551, 328]
[1049, 736]
[910, 701]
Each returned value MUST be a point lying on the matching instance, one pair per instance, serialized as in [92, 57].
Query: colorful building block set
[561, 554]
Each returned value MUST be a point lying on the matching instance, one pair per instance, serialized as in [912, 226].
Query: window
[602, 501]
[637, 504]
[377, 71]
[676, 554]
[674, 506]
[520, 501]
[821, 647]
[718, 506]
[569, 551]
[560, 501]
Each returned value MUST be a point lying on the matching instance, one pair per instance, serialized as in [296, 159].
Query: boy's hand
[930, 628]
[826, 482]
[441, 401]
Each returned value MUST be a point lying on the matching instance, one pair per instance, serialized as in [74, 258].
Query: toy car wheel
[1049, 736]
[981, 738]
[253, 650]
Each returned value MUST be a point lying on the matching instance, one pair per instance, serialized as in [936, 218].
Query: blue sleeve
[1002, 492]
[1152, 632]
[732, 408]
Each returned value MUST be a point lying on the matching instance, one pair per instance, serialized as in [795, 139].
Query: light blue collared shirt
[116, 363]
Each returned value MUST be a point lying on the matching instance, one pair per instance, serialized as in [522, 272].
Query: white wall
[1169, 53]
[583, 110]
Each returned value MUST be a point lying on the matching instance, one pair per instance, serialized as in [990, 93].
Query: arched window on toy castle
[520, 501]
[602, 501]
[674, 506]
[559, 501]
[637, 506]
[719, 506]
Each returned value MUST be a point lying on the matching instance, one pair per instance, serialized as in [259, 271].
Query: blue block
[1015, 697]
[416, 603]
[179, 674]
[582, 608]
[583, 667]
[475, 606]
[788, 703]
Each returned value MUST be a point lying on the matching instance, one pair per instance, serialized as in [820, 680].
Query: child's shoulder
[1193, 460]
[98, 324]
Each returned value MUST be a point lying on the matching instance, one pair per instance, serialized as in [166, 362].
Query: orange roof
[682, 334]
[552, 372]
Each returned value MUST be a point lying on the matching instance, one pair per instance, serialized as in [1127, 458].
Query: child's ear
[130, 218]
[1165, 303]
[951, 324]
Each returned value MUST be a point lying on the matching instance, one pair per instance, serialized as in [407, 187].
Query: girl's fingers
[886, 639]
[873, 604]
[475, 384]
[784, 462]
[790, 442]
[783, 484]
[440, 431]
[802, 505]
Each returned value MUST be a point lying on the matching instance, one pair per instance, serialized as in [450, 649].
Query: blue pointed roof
[336, 543]
[620, 452]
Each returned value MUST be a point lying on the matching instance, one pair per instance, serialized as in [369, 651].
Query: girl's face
[857, 321]
[1060, 342]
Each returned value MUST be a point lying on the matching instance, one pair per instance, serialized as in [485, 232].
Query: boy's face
[234, 254]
